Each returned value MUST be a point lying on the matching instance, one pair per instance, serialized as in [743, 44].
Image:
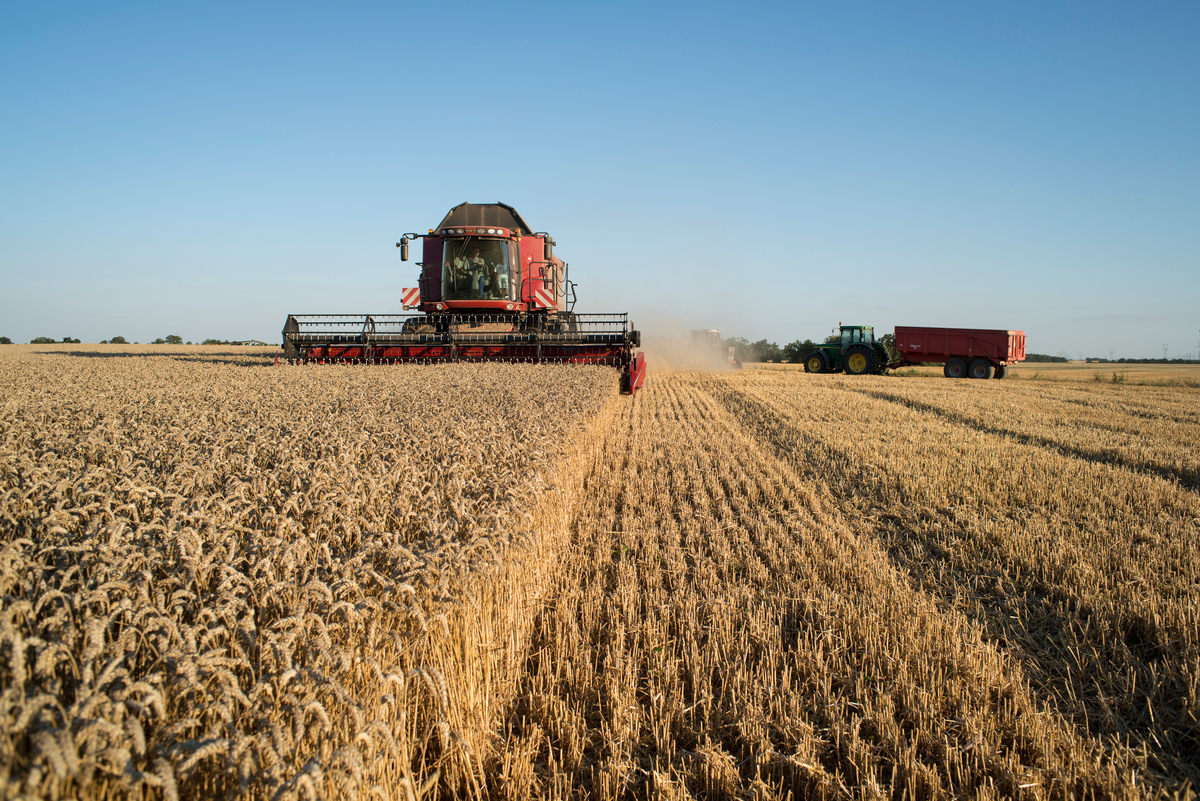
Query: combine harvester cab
[490, 289]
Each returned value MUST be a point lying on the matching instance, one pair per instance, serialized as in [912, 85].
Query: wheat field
[225, 578]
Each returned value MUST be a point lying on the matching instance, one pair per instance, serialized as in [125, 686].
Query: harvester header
[490, 289]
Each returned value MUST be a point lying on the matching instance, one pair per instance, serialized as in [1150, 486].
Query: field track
[822, 585]
[756, 582]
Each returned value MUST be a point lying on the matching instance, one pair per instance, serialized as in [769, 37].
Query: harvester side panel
[531, 250]
[431, 273]
[541, 281]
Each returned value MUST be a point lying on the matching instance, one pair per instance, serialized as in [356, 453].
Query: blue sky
[767, 169]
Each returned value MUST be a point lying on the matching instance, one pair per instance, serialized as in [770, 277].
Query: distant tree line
[1042, 357]
[169, 339]
[1097, 360]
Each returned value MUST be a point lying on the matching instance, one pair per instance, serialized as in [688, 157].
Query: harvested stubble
[1150, 429]
[1085, 568]
[780, 586]
[291, 582]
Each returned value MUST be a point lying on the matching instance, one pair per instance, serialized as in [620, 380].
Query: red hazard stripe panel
[543, 297]
[411, 297]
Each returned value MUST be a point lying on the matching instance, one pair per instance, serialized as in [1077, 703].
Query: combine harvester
[490, 290]
[709, 339]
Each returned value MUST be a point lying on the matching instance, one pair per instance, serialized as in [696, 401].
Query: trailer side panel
[919, 344]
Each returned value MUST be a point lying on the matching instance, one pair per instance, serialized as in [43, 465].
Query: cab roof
[474, 214]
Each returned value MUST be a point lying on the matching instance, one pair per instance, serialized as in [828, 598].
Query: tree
[741, 348]
[767, 351]
[42, 341]
[159, 341]
[69, 341]
[174, 339]
[5, 341]
[796, 351]
[889, 342]
[118, 341]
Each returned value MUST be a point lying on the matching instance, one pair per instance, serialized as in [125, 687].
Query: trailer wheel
[816, 362]
[859, 359]
[955, 368]
[1001, 371]
[981, 368]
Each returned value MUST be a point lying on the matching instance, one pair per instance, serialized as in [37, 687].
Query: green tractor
[856, 353]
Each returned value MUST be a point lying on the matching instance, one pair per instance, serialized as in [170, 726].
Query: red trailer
[966, 352]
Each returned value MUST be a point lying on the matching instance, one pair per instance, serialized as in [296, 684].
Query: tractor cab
[855, 334]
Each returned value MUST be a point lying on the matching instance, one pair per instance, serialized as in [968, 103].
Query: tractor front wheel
[859, 360]
[955, 368]
[1001, 371]
[816, 362]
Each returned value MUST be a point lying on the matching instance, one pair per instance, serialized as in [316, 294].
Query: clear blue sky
[768, 169]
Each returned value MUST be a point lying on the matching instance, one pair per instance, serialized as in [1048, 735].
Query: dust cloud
[670, 344]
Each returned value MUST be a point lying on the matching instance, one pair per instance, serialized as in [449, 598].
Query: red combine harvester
[490, 289]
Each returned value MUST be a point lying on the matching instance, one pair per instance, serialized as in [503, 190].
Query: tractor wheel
[859, 360]
[981, 368]
[1001, 371]
[816, 362]
[955, 368]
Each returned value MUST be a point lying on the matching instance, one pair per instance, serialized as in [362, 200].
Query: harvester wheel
[981, 368]
[1001, 371]
[816, 362]
[859, 359]
[955, 368]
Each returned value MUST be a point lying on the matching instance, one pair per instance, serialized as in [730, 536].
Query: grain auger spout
[490, 289]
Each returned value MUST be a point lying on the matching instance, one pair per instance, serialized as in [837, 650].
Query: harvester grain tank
[965, 352]
[490, 289]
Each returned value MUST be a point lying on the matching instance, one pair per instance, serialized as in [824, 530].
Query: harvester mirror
[549, 248]
[403, 245]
